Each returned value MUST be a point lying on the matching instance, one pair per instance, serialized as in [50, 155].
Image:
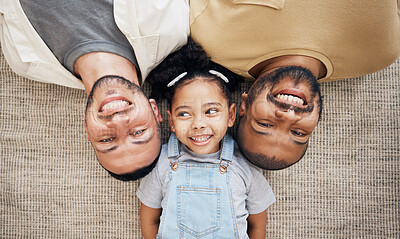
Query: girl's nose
[198, 124]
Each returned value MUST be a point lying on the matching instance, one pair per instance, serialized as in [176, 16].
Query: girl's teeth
[200, 139]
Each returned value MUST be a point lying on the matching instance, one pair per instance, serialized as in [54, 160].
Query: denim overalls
[198, 202]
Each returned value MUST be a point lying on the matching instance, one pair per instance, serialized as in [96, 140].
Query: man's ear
[171, 123]
[156, 111]
[232, 115]
[242, 108]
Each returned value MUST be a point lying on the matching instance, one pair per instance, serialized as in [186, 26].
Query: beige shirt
[154, 28]
[352, 38]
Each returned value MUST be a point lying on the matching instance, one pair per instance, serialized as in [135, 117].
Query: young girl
[202, 186]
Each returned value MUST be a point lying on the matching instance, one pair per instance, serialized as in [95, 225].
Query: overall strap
[226, 155]
[173, 151]
[227, 148]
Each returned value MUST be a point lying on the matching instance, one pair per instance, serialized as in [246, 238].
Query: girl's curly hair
[192, 59]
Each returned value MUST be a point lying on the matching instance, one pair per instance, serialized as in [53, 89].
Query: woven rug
[347, 186]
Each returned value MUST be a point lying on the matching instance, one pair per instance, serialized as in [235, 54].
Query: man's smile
[290, 99]
[114, 105]
[292, 96]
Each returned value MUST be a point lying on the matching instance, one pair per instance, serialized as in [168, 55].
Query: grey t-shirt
[75, 27]
[251, 192]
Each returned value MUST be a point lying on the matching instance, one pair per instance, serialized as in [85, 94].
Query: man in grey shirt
[106, 47]
[78, 28]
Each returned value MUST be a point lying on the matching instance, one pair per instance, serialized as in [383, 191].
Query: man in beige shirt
[286, 46]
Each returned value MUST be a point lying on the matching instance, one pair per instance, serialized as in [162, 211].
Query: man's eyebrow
[104, 151]
[300, 143]
[259, 132]
[144, 141]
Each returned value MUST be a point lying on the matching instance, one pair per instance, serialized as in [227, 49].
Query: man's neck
[316, 67]
[92, 66]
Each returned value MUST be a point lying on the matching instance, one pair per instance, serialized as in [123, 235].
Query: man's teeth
[290, 98]
[114, 105]
[200, 138]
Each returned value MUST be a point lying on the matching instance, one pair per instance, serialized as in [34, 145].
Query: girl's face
[200, 116]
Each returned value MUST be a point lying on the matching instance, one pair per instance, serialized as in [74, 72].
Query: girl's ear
[232, 115]
[156, 111]
[242, 108]
[171, 123]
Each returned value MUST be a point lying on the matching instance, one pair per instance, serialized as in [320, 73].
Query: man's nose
[118, 120]
[289, 115]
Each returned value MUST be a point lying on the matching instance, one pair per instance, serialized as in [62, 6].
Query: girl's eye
[183, 114]
[106, 140]
[211, 111]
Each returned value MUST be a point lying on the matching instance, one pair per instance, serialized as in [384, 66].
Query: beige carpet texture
[346, 186]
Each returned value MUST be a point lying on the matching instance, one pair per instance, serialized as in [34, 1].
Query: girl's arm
[149, 221]
[257, 225]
